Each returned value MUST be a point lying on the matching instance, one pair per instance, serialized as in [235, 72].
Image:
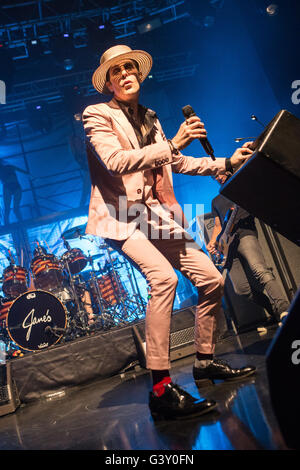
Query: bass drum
[32, 319]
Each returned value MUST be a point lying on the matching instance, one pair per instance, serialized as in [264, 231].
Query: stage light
[68, 64]
[272, 9]
[147, 26]
[80, 39]
[209, 21]
[35, 48]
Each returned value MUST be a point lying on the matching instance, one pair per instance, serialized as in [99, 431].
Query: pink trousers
[156, 260]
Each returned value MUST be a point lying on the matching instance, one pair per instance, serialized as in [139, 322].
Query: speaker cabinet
[268, 184]
[283, 371]
[181, 337]
[9, 397]
[283, 256]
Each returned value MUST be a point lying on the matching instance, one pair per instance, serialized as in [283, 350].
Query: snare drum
[33, 318]
[14, 281]
[47, 271]
[75, 259]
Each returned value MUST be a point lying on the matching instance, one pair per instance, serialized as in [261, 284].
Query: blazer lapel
[121, 119]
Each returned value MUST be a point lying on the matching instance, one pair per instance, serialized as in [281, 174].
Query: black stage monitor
[268, 184]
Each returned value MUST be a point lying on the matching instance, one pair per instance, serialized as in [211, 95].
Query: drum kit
[62, 298]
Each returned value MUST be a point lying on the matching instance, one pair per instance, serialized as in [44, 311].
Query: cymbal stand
[122, 301]
[81, 314]
[105, 317]
[141, 304]
[136, 307]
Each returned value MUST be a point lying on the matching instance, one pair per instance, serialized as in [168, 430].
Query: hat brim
[143, 59]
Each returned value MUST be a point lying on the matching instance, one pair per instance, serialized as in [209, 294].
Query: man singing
[131, 164]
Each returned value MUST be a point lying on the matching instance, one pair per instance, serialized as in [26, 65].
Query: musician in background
[12, 190]
[77, 146]
[246, 265]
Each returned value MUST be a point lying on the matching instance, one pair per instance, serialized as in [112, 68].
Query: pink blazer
[117, 166]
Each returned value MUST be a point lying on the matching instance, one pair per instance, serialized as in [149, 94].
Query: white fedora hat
[113, 56]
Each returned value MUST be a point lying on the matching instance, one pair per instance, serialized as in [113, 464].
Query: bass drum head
[30, 315]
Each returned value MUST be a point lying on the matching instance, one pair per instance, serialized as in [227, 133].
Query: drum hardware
[75, 232]
[81, 315]
[55, 330]
[141, 304]
[111, 301]
[138, 300]
[108, 249]
[93, 257]
[104, 317]
[85, 299]
[124, 308]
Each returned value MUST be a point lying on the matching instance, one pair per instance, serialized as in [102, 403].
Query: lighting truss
[47, 23]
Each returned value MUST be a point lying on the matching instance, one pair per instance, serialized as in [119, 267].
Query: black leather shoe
[219, 370]
[176, 403]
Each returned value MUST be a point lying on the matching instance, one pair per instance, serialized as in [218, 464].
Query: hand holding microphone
[188, 113]
[193, 128]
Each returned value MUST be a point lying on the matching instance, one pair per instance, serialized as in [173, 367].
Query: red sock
[159, 389]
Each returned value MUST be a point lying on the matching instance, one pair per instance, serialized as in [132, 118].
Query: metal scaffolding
[44, 21]
[28, 25]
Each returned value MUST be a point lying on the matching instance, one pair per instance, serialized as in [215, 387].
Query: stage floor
[113, 414]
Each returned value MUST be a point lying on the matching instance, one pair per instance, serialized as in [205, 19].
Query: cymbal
[74, 232]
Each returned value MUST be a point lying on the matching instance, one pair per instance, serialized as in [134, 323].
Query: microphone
[239, 139]
[188, 112]
[254, 118]
[54, 330]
